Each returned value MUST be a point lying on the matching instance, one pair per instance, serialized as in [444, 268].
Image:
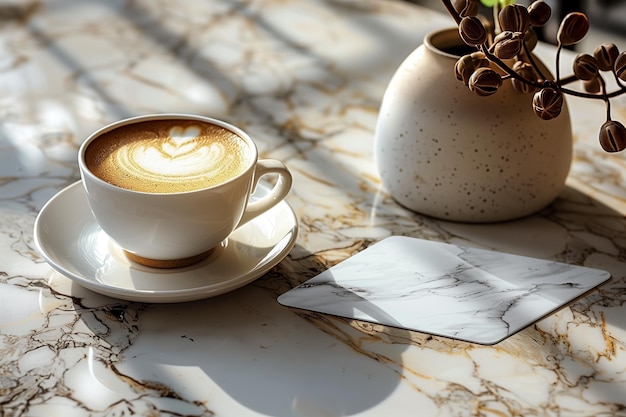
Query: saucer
[70, 240]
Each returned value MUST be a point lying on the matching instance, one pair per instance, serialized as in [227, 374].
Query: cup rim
[84, 170]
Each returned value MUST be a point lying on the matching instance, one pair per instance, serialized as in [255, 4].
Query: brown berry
[573, 28]
[620, 66]
[527, 72]
[606, 54]
[593, 86]
[466, 7]
[539, 13]
[613, 136]
[480, 59]
[464, 68]
[485, 81]
[467, 64]
[547, 103]
[585, 67]
[472, 31]
[514, 18]
[507, 44]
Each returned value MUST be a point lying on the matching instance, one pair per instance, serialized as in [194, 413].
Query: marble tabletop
[305, 79]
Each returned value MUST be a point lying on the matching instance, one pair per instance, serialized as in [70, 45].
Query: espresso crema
[168, 156]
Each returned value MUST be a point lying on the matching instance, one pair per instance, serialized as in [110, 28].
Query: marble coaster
[474, 295]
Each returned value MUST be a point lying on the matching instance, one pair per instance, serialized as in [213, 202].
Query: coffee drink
[168, 156]
[168, 189]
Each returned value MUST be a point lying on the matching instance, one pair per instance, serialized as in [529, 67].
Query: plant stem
[604, 96]
[559, 47]
[452, 11]
[504, 67]
[532, 61]
[619, 81]
[567, 80]
[557, 83]
[606, 99]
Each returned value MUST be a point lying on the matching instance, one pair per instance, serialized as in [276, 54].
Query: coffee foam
[168, 156]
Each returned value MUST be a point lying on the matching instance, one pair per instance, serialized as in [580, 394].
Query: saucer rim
[160, 296]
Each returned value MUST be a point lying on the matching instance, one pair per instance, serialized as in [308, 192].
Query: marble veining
[447, 290]
[305, 78]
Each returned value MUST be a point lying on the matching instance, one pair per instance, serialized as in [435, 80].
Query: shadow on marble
[309, 363]
[226, 75]
[576, 229]
[45, 167]
[456, 291]
[243, 348]
[72, 64]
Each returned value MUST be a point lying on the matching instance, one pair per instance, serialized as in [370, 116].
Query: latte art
[176, 160]
[168, 156]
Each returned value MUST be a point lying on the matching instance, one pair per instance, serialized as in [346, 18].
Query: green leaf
[492, 3]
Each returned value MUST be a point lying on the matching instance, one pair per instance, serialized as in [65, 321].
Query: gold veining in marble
[304, 78]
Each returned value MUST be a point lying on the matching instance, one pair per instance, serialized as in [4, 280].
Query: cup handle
[276, 194]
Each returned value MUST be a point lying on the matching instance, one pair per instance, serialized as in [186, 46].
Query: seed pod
[464, 68]
[547, 103]
[472, 31]
[593, 86]
[606, 54]
[526, 71]
[613, 136]
[485, 82]
[466, 7]
[507, 44]
[480, 59]
[467, 64]
[620, 66]
[574, 27]
[585, 67]
[514, 18]
[539, 13]
[530, 39]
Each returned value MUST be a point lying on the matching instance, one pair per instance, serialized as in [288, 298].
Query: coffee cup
[170, 188]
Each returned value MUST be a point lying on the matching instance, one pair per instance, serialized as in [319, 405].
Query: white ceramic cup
[177, 229]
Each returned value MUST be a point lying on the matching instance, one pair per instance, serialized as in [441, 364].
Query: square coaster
[469, 294]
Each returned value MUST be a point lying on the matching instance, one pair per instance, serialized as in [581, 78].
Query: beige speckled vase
[445, 152]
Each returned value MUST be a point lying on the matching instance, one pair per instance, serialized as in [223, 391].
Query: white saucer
[70, 240]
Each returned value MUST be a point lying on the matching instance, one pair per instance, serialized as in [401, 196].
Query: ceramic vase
[445, 152]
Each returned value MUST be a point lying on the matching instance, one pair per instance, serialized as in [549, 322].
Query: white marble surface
[305, 78]
[463, 293]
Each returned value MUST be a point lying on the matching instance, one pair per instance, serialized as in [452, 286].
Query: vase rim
[439, 40]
